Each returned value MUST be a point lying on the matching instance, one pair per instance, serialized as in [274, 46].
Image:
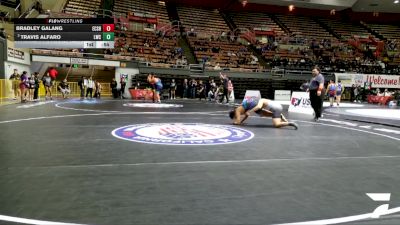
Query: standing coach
[316, 90]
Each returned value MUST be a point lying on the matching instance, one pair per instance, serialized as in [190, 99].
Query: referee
[315, 89]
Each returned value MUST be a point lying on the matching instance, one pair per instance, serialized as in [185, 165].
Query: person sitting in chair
[63, 87]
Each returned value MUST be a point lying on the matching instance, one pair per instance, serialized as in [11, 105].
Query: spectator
[63, 87]
[98, 88]
[123, 85]
[53, 74]
[89, 89]
[230, 88]
[219, 93]
[184, 61]
[185, 87]
[254, 59]
[193, 86]
[225, 81]
[352, 93]
[15, 77]
[82, 84]
[46, 79]
[201, 90]
[24, 85]
[31, 85]
[3, 34]
[172, 89]
[37, 83]
[113, 86]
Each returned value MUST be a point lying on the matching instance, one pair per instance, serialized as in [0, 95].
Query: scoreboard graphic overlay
[64, 33]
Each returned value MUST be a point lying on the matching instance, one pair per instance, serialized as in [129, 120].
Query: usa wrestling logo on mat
[182, 134]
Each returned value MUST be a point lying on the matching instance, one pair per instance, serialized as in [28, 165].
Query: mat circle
[183, 134]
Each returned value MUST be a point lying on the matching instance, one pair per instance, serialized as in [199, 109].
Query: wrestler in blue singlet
[274, 107]
[339, 89]
[158, 85]
[249, 103]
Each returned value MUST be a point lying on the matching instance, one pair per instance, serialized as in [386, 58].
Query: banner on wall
[80, 61]
[282, 95]
[252, 94]
[300, 103]
[127, 74]
[14, 53]
[376, 80]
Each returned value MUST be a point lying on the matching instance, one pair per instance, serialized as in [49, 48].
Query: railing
[17, 9]
[29, 9]
[141, 61]
[75, 12]
[246, 34]
[174, 26]
[8, 89]
[94, 13]
[83, 55]
[97, 13]
[109, 13]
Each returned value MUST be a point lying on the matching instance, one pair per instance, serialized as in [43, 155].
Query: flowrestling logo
[152, 105]
[182, 134]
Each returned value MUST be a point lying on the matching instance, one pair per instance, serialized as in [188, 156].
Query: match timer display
[64, 33]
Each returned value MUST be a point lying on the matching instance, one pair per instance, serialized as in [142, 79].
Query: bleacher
[205, 27]
[392, 35]
[212, 40]
[148, 46]
[306, 27]
[285, 53]
[255, 20]
[144, 7]
[3, 15]
[344, 29]
[9, 3]
[82, 7]
[203, 21]
[223, 52]
[387, 31]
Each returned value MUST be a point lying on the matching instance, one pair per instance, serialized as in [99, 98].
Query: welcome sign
[376, 80]
[383, 81]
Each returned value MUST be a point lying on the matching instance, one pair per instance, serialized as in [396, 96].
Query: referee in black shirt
[316, 90]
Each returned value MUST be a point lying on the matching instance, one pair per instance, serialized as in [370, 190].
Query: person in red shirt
[53, 73]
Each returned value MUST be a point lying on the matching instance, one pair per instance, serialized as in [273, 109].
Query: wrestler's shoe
[293, 125]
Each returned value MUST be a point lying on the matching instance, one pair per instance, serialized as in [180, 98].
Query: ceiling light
[396, 1]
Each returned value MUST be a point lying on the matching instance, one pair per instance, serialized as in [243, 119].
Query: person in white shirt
[90, 86]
